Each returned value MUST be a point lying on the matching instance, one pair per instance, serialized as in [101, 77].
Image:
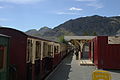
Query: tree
[94, 33]
[61, 39]
[85, 34]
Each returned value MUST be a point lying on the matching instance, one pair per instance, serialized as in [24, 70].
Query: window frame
[29, 51]
[38, 50]
[50, 50]
[45, 49]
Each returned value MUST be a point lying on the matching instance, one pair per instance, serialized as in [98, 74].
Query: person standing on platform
[77, 54]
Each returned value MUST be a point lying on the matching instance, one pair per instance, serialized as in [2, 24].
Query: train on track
[25, 57]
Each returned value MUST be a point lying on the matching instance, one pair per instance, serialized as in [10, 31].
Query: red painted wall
[112, 59]
[95, 53]
[106, 56]
[101, 50]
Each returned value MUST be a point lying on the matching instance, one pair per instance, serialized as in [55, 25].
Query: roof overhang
[78, 41]
[69, 38]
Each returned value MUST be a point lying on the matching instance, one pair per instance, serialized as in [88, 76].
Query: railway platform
[71, 69]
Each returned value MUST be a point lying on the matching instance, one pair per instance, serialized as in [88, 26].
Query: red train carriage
[40, 54]
[31, 58]
[24, 54]
[105, 52]
[17, 53]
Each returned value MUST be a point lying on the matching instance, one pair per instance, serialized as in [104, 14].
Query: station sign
[101, 75]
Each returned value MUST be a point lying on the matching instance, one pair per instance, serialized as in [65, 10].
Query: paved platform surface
[70, 69]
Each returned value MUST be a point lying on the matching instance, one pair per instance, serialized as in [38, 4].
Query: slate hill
[83, 26]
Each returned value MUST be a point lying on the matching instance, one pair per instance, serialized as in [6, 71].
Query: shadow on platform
[63, 70]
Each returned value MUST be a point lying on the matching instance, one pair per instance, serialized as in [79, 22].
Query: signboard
[101, 75]
[86, 48]
[114, 40]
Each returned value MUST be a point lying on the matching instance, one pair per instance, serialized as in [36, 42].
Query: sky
[34, 14]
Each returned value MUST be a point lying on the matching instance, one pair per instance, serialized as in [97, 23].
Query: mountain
[39, 32]
[43, 30]
[90, 25]
[32, 32]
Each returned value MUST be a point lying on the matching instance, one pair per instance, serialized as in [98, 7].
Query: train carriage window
[45, 49]
[38, 49]
[1, 57]
[50, 50]
[29, 50]
[56, 49]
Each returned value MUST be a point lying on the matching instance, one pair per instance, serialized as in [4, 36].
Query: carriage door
[29, 59]
[3, 68]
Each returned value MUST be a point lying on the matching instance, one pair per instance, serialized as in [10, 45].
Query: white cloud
[1, 7]
[96, 5]
[93, 3]
[86, 0]
[67, 13]
[21, 1]
[76, 9]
